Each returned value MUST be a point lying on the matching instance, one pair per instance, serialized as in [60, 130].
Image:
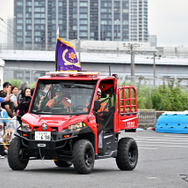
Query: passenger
[23, 104]
[42, 97]
[39, 102]
[6, 104]
[86, 108]
[59, 98]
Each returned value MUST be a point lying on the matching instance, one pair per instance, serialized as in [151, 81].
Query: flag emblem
[66, 59]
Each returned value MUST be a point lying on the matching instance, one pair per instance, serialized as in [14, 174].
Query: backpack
[4, 115]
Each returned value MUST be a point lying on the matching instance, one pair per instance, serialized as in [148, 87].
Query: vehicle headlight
[25, 126]
[76, 127]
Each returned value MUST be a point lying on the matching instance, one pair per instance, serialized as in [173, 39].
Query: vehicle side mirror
[97, 105]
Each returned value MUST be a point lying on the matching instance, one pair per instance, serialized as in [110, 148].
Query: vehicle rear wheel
[16, 159]
[63, 163]
[83, 156]
[127, 155]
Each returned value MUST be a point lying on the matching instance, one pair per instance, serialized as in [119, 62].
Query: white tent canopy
[2, 64]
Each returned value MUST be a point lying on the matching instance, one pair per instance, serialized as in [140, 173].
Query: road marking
[176, 136]
[146, 147]
[160, 137]
[170, 141]
[167, 145]
[152, 178]
[161, 142]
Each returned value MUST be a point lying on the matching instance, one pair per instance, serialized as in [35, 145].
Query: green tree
[15, 83]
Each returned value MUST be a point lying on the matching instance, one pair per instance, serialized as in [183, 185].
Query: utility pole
[79, 51]
[132, 64]
[132, 50]
[154, 69]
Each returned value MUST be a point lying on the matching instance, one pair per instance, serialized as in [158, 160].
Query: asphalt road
[162, 163]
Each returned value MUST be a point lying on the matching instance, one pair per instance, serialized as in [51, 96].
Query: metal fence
[26, 74]
[147, 119]
[11, 123]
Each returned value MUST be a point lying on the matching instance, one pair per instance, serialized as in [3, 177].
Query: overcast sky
[168, 19]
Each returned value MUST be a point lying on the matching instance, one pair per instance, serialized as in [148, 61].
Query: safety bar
[131, 98]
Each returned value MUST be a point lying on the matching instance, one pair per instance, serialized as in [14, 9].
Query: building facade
[138, 20]
[37, 21]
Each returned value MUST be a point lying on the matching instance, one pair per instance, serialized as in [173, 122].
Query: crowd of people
[14, 103]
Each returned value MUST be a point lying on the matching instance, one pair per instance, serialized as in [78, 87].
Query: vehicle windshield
[63, 97]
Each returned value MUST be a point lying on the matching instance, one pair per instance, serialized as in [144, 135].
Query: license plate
[46, 136]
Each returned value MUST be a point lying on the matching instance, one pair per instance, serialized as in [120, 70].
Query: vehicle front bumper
[57, 148]
[60, 146]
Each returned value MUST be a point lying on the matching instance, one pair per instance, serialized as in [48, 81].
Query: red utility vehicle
[76, 131]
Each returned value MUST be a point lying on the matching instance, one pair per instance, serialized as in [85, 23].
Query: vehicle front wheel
[63, 163]
[127, 155]
[16, 158]
[83, 156]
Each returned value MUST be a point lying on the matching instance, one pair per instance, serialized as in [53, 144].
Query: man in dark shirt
[3, 93]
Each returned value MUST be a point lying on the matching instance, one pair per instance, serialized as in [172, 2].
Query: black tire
[83, 156]
[63, 163]
[15, 155]
[127, 155]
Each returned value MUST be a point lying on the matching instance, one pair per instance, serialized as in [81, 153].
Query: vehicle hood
[58, 121]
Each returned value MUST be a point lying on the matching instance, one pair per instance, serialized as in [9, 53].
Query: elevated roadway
[119, 63]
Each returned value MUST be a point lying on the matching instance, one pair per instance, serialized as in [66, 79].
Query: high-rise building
[153, 40]
[10, 33]
[37, 21]
[138, 20]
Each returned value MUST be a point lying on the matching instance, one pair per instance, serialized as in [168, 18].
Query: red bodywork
[125, 115]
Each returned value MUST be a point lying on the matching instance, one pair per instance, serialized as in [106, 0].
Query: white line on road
[146, 147]
[160, 142]
[163, 145]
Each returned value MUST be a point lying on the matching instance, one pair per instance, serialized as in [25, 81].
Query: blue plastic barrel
[172, 123]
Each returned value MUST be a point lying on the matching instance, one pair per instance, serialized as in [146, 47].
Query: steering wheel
[80, 107]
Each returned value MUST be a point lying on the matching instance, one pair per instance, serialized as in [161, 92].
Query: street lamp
[132, 47]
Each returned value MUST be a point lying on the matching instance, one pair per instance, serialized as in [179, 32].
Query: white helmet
[99, 92]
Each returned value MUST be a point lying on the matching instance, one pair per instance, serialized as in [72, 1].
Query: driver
[103, 108]
[58, 99]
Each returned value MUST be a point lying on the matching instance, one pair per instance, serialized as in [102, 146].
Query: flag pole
[57, 38]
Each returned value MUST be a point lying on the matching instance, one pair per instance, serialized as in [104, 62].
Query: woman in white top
[13, 97]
